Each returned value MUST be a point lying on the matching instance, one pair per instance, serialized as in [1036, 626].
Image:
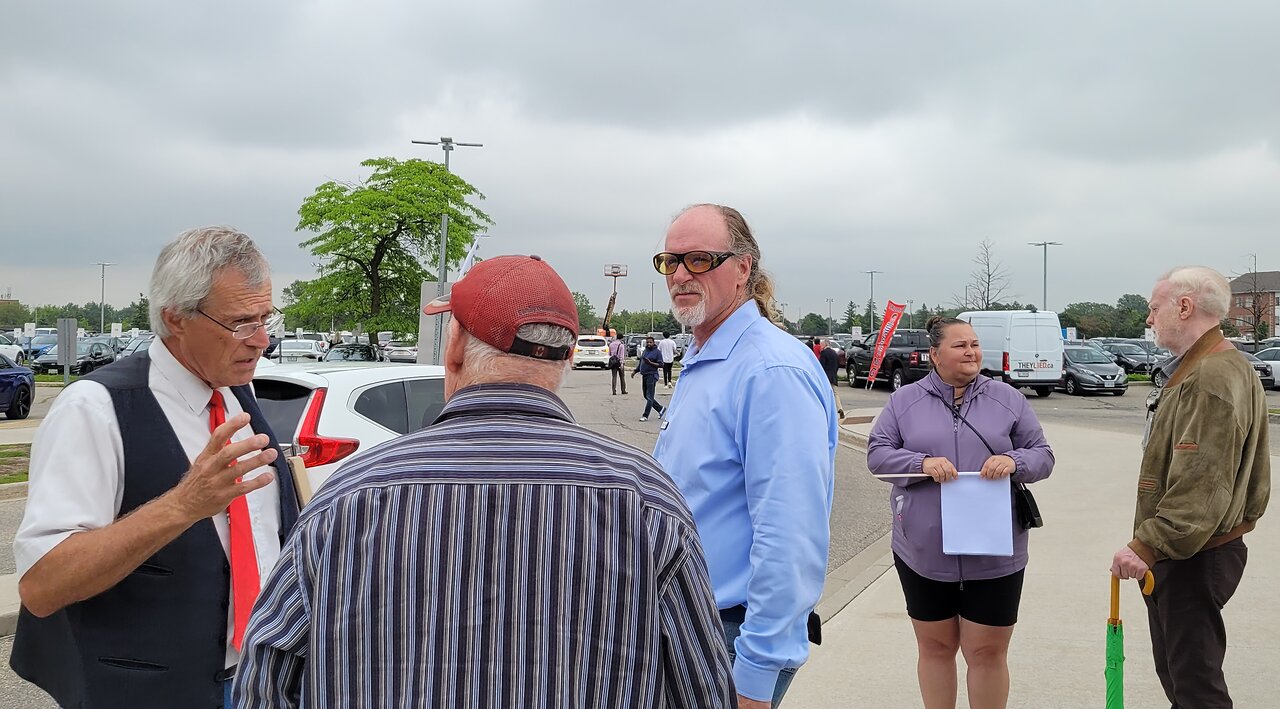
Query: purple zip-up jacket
[915, 425]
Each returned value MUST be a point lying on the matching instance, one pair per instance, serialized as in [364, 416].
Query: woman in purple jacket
[956, 602]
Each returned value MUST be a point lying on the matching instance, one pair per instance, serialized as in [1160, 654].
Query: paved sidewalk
[868, 657]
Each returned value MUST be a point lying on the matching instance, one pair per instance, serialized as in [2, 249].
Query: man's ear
[177, 325]
[455, 350]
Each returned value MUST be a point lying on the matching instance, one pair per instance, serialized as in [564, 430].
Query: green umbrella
[1115, 643]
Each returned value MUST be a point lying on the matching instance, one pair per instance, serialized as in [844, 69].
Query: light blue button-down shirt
[750, 438]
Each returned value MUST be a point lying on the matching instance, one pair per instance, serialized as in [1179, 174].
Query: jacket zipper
[955, 419]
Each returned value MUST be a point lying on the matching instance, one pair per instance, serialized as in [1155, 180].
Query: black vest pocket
[125, 663]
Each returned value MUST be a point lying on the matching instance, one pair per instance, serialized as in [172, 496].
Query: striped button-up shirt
[502, 557]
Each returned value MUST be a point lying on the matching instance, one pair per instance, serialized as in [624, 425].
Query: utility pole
[829, 324]
[911, 315]
[102, 297]
[447, 145]
[873, 297]
[783, 307]
[650, 305]
[1044, 296]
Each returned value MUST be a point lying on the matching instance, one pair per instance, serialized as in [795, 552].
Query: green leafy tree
[1131, 315]
[813, 324]
[136, 314]
[588, 321]
[374, 237]
[14, 314]
[1090, 319]
[1229, 328]
[1260, 331]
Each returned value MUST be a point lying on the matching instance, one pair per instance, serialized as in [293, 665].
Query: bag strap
[955, 411]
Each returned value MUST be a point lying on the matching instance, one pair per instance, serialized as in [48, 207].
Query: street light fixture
[102, 297]
[1044, 299]
[873, 297]
[829, 326]
[447, 145]
[911, 314]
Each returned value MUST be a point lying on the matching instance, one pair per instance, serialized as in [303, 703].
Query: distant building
[1255, 292]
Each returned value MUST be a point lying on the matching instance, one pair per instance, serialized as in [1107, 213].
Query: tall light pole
[829, 325]
[650, 306]
[873, 297]
[447, 145]
[783, 307]
[1044, 299]
[102, 297]
[911, 314]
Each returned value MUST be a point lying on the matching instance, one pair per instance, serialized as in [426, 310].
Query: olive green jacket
[1206, 470]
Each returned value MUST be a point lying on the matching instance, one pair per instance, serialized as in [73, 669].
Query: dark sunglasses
[666, 262]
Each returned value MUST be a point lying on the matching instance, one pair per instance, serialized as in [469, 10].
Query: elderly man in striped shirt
[503, 556]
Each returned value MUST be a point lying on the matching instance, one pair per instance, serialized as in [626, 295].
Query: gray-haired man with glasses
[158, 498]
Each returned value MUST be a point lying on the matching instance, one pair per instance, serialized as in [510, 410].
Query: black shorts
[986, 602]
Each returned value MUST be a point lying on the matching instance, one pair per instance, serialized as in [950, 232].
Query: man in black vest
[158, 498]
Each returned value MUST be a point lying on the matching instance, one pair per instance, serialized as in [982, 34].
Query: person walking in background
[617, 355]
[750, 438]
[648, 367]
[816, 345]
[536, 564]
[667, 347]
[158, 498]
[1204, 482]
[955, 420]
[830, 361]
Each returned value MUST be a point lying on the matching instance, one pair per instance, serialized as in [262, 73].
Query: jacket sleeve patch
[1147, 484]
[1193, 447]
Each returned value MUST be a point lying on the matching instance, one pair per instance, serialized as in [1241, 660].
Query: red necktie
[245, 583]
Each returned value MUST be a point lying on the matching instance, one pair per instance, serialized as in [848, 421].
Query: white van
[1021, 347]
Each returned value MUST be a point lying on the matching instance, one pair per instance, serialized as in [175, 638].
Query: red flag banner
[892, 316]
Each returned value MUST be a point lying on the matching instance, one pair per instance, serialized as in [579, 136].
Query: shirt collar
[190, 388]
[507, 399]
[721, 343]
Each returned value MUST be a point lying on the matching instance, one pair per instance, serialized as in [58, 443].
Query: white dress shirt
[77, 466]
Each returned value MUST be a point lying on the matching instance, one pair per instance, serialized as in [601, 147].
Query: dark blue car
[17, 389]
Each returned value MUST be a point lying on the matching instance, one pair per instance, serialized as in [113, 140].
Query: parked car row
[17, 388]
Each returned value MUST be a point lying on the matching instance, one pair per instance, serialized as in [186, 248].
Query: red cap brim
[437, 306]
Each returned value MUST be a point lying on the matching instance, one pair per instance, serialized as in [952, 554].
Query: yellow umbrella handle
[1148, 585]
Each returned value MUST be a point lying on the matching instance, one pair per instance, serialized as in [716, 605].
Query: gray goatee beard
[692, 316]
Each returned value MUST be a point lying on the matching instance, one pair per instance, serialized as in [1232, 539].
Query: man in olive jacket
[1204, 482]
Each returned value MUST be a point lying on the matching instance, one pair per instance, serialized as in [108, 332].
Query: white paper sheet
[977, 517]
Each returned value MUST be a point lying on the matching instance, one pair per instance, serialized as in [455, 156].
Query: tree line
[15, 315]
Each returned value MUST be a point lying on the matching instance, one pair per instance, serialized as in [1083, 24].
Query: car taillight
[1004, 362]
[316, 449]
[914, 359]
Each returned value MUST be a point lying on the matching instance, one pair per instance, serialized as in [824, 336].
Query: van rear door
[1035, 348]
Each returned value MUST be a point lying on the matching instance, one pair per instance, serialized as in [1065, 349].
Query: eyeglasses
[244, 331]
[694, 261]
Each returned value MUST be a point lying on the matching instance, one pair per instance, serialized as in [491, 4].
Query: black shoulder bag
[1024, 502]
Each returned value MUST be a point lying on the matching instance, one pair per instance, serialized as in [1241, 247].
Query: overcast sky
[854, 136]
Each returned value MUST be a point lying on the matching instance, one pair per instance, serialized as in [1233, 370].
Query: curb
[13, 491]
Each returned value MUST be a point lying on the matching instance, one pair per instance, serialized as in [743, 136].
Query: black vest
[158, 638]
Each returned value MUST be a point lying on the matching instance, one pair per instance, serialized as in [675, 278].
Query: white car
[12, 350]
[591, 350]
[400, 351]
[298, 351]
[332, 412]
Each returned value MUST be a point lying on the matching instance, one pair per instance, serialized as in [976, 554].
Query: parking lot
[859, 515]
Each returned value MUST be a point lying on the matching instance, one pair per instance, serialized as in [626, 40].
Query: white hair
[487, 363]
[186, 267]
[1207, 288]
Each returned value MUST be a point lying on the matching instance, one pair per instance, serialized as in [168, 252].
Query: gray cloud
[854, 136]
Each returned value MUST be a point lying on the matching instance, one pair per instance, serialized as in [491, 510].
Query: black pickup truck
[906, 360]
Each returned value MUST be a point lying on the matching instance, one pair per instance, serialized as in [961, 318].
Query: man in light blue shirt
[750, 437]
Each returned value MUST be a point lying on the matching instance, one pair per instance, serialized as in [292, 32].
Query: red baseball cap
[500, 295]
